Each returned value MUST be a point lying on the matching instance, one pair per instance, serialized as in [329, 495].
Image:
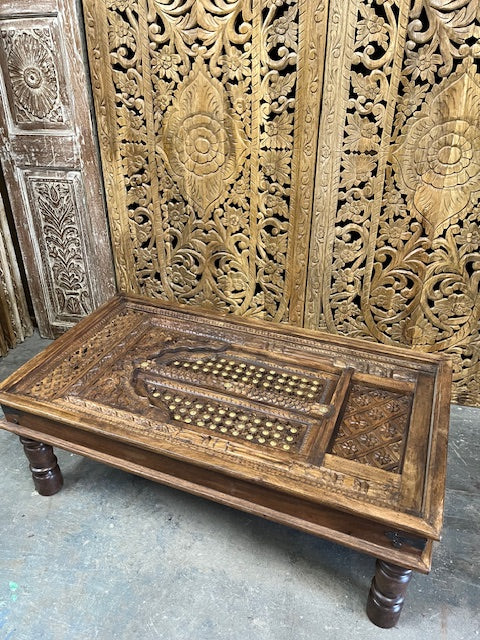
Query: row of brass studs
[216, 417]
[258, 376]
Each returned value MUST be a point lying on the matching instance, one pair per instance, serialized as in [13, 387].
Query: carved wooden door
[49, 161]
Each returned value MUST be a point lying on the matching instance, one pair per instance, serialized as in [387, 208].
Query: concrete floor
[113, 556]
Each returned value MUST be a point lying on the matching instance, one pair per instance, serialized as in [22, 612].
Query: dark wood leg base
[387, 593]
[46, 473]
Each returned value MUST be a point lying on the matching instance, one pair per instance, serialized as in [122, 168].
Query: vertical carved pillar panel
[395, 247]
[207, 114]
[49, 160]
[15, 323]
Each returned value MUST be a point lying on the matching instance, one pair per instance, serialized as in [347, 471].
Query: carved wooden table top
[353, 431]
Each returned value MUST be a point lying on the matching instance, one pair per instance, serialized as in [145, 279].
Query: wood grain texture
[15, 323]
[50, 163]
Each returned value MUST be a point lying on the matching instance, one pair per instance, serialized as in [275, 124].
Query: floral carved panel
[209, 174]
[57, 220]
[395, 251]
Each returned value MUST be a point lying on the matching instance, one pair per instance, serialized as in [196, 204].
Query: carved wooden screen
[49, 161]
[207, 113]
[395, 251]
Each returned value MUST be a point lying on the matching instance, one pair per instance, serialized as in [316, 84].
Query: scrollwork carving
[204, 98]
[403, 263]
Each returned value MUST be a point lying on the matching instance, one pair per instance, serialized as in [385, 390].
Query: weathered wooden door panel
[50, 164]
[207, 114]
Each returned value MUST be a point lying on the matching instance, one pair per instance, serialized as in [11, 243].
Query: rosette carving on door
[208, 120]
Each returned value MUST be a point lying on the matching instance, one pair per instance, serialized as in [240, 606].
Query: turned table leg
[387, 593]
[46, 473]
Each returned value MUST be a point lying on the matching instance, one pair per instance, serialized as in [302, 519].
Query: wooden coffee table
[338, 437]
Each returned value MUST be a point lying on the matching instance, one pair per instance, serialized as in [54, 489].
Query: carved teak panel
[207, 115]
[395, 252]
[243, 174]
[49, 162]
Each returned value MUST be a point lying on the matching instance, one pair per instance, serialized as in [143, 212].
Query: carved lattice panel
[207, 114]
[395, 252]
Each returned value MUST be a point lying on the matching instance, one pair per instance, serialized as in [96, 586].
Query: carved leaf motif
[55, 206]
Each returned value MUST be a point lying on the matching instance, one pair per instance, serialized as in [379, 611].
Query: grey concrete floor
[114, 556]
